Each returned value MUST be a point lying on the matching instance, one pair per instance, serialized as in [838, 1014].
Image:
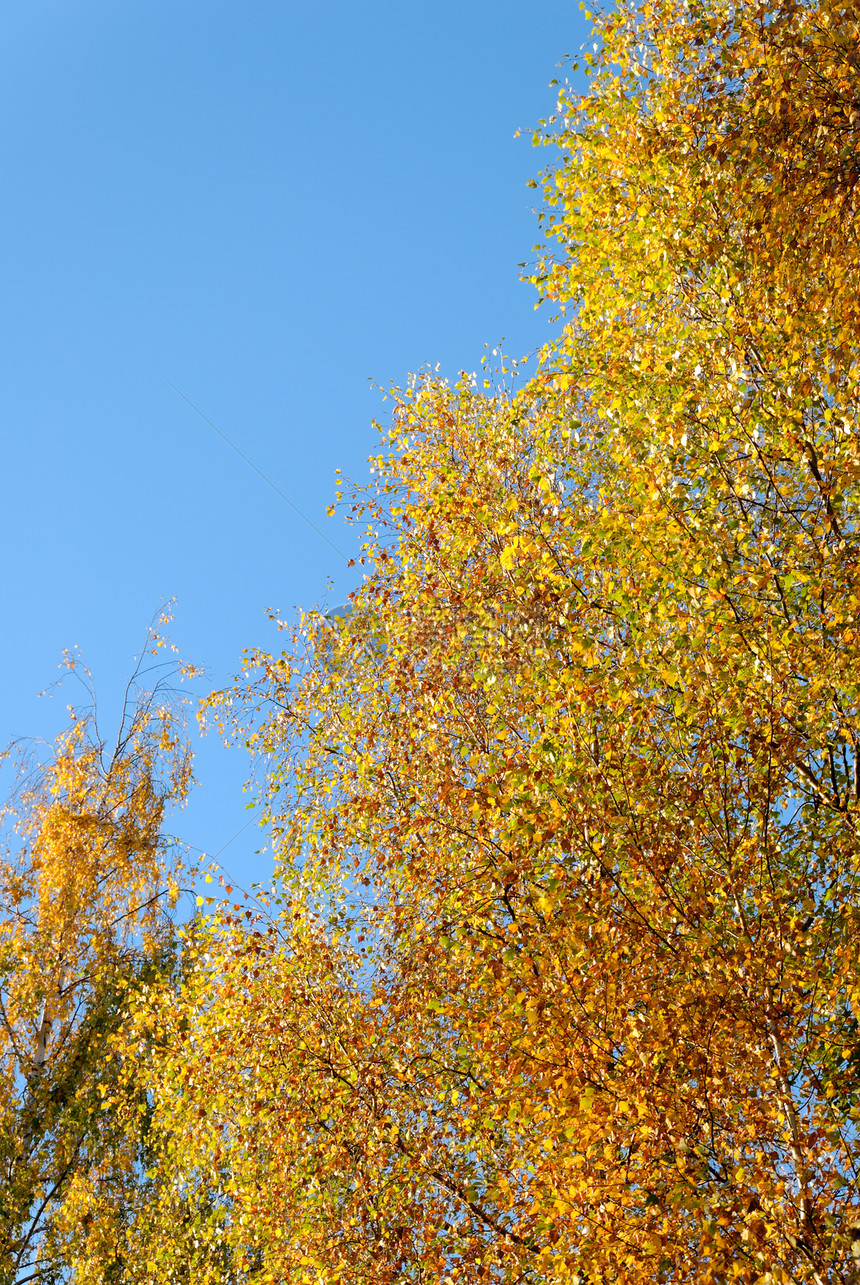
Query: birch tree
[559, 978]
[88, 878]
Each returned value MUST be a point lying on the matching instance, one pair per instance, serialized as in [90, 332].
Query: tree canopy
[558, 980]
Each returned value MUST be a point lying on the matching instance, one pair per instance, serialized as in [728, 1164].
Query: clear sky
[269, 204]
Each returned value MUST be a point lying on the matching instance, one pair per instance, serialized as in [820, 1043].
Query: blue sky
[271, 205]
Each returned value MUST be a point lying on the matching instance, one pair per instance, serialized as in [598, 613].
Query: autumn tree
[88, 877]
[559, 978]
